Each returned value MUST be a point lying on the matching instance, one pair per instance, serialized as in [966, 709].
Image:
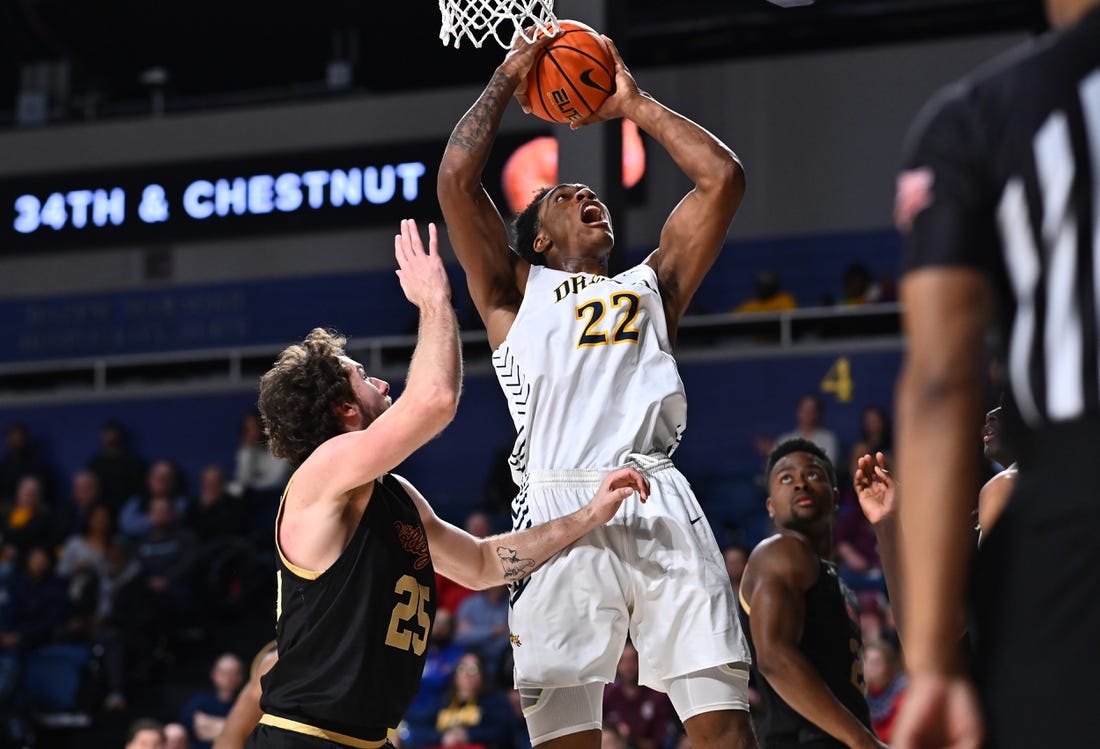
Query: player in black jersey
[998, 202]
[807, 647]
[357, 545]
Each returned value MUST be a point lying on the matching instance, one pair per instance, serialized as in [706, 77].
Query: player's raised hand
[617, 104]
[875, 488]
[422, 276]
[518, 63]
[614, 489]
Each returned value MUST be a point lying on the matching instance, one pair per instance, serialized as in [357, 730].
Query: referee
[998, 203]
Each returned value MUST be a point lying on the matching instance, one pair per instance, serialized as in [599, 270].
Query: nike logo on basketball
[586, 79]
[696, 520]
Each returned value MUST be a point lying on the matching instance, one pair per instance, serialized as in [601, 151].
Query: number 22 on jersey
[621, 328]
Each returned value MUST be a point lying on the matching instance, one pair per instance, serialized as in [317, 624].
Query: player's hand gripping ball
[572, 76]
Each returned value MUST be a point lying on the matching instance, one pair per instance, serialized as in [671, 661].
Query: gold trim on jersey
[304, 728]
[299, 571]
[744, 603]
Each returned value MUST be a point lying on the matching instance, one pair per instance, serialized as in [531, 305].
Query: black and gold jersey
[832, 642]
[352, 639]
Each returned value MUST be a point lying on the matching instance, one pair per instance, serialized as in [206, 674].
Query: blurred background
[187, 188]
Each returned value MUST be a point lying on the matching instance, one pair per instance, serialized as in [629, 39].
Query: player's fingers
[399, 250]
[401, 244]
[433, 239]
[614, 51]
[415, 244]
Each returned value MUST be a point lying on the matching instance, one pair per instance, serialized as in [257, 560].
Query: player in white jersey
[585, 361]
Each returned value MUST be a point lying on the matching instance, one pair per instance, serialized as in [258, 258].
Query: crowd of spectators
[858, 285]
[106, 578]
[111, 577]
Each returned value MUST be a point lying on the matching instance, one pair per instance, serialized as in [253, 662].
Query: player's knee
[557, 712]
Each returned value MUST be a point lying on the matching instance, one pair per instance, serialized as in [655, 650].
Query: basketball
[572, 76]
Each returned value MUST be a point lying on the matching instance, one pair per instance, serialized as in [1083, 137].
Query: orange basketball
[572, 75]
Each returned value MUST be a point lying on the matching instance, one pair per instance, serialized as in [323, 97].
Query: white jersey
[588, 372]
[591, 384]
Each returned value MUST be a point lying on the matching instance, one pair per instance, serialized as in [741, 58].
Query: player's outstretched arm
[696, 229]
[877, 492]
[430, 398]
[777, 575]
[939, 412]
[495, 275]
[480, 563]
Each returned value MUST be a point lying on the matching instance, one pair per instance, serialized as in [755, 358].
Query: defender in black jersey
[998, 201]
[358, 546]
[800, 617]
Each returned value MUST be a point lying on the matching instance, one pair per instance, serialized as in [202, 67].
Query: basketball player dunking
[585, 361]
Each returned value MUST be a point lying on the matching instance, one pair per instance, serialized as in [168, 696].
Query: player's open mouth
[592, 214]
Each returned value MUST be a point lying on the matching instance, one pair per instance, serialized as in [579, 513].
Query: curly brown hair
[298, 394]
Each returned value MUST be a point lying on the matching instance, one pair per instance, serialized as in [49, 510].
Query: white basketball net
[503, 20]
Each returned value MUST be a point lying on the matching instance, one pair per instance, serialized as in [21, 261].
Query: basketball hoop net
[477, 20]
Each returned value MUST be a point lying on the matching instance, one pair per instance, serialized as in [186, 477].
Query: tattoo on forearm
[514, 567]
[474, 126]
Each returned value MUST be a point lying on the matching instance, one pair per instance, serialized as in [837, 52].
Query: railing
[701, 338]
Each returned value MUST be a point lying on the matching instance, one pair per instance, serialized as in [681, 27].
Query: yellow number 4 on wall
[838, 380]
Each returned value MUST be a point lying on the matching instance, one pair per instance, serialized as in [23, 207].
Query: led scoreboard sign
[367, 186]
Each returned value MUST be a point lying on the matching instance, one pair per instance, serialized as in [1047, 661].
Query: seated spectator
[873, 616]
[644, 717]
[472, 713]
[246, 713]
[481, 625]
[145, 733]
[258, 476]
[21, 459]
[39, 602]
[886, 684]
[121, 471]
[736, 556]
[856, 547]
[204, 714]
[857, 285]
[230, 569]
[29, 523]
[163, 481]
[83, 564]
[169, 554]
[809, 414]
[175, 736]
[87, 550]
[11, 649]
[72, 513]
[441, 658]
[449, 594]
[216, 514]
[768, 295]
[876, 434]
[125, 627]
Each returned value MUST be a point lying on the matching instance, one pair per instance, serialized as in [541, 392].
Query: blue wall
[729, 403]
[367, 304]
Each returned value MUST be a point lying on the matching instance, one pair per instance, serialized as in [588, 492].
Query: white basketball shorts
[654, 572]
